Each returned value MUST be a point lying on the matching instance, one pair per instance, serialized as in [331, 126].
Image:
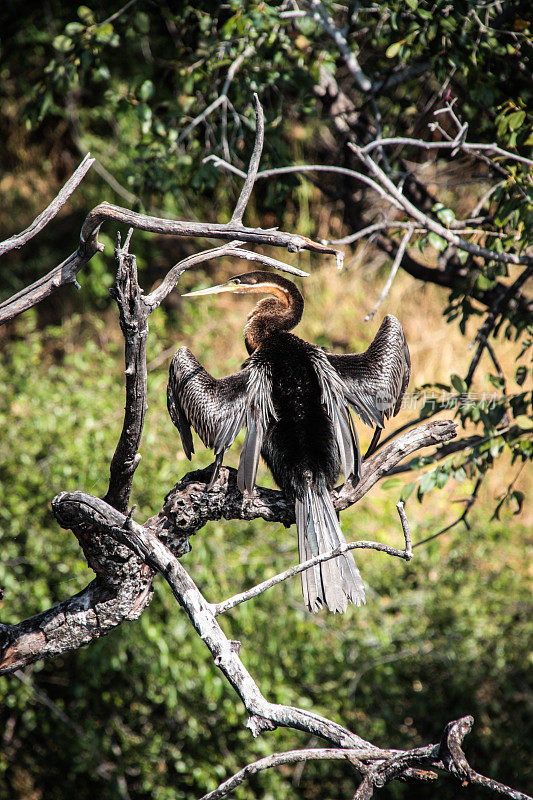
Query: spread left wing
[218, 408]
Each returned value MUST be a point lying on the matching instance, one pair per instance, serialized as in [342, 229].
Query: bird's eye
[236, 280]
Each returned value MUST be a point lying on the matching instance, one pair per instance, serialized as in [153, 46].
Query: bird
[295, 399]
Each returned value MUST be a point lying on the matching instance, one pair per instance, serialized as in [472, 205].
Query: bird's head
[269, 315]
[257, 282]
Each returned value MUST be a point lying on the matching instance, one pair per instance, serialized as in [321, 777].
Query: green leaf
[437, 242]
[445, 215]
[460, 475]
[427, 481]
[524, 422]
[515, 120]
[62, 43]
[73, 28]
[458, 383]
[483, 283]
[519, 498]
[521, 375]
[392, 483]
[86, 15]
[146, 91]
[393, 49]
[408, 491]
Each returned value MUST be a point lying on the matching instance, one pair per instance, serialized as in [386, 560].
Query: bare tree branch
[170, 281]
[394, 269]
[76, 509]
[223, 96]
[66, 272]
[75, 622]
[242, 597]
[397, 198]
[404, 141]
[20, 239]
[469, 502]
[289, 757]
[253, 167]
[133, 315]
[496, 309]
[123, 587]
[324, 19]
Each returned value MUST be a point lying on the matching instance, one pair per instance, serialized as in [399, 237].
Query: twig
[289, 757]
[495, 310]
[253, 167]
[116, 15]
[395, 266]
[242, 597]
[463, 518]
[20, 239]
[45, 700]
[66, 272]
[396, 197]
[406, 530]
[452, 145]
[133, 314]
[324, 19]
[270, 173]
[503, 498]
[170, 281]
[222, 98]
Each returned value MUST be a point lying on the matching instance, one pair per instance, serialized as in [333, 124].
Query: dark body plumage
[301, 441]
[295, 400]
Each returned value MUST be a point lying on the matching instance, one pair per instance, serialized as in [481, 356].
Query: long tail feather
[334, 582]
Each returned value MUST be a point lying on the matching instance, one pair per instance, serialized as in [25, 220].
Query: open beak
[222, 287]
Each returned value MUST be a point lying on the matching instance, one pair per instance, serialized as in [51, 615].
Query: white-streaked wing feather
[216, 409]
[375, 381]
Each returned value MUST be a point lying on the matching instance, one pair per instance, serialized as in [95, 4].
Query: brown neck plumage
[272, 314]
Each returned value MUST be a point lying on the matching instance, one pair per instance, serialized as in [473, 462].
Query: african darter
[295, 400]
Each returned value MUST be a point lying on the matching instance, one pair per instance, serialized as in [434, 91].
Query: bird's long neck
[273, 314]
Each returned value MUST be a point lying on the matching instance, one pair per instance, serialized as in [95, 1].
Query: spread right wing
[216, 409]
[376, 380]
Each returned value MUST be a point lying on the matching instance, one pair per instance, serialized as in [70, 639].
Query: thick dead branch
[396, 198]
[77, 509]
[75, 622]
[233, 232]
[133, 315]
[290, 757]
[188, 506]
[440, 277]
[67, 271]
[419, 763]
[253, 167]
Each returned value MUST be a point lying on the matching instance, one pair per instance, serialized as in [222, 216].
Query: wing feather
[216, 409]
[376, 380]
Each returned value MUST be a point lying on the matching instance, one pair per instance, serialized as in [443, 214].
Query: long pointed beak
[222, 287]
